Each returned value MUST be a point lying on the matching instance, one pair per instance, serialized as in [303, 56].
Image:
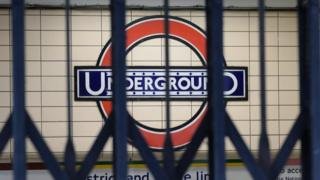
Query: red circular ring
[146, 28]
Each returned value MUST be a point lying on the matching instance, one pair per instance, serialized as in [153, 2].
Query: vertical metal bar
[303, 65]
[119, 91]
[264, 151]
[70, 155]
[314, 59]
[69, 68]
[214, 13]
[168, 149]
[305, 153]
[304, 91]
[19, 156]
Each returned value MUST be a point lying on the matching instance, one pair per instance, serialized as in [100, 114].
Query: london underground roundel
[147, 83]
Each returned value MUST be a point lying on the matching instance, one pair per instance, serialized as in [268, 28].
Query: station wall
[46, 73]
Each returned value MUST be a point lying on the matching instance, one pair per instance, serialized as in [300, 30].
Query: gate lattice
[216, 126]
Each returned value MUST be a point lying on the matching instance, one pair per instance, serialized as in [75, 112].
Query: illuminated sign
[147, 83]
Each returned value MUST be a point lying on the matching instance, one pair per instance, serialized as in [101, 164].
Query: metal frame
[217, 125]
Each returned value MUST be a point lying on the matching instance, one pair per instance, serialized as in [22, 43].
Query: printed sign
[289, 172]
[147, 83]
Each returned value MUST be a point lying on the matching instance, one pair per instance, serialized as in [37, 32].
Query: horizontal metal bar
[235, 4]
[188, 156]
[95, 150]
[5, 134]
[287, 147]
[70, 160]
[255, 170]
[139, 142]
[44, 151]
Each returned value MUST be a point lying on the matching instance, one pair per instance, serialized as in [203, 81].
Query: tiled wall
[46, 72]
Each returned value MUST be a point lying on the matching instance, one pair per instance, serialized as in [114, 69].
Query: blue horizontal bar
[144, 83]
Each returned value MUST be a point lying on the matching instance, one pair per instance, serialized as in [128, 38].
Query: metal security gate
[216, 126]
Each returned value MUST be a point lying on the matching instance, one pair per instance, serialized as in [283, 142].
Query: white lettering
[160, 83]
[138, 83]
[235, 84]
[172, 84]
[109, 83]
[193, 83]
[187, 83]
[148, 84]
[102, 84]
[130, 81]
